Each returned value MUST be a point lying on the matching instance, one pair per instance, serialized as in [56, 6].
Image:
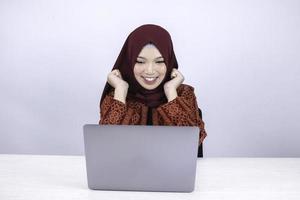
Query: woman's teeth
[149, 79]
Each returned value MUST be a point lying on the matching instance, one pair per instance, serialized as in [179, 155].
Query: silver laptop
[141, 157]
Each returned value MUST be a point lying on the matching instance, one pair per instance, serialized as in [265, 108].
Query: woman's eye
[161, 61]
[139, 61]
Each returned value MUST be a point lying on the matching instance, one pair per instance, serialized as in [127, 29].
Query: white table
[64, 177]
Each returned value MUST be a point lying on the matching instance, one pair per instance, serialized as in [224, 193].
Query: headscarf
[137, 39]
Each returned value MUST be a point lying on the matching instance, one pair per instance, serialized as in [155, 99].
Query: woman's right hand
[115, 79]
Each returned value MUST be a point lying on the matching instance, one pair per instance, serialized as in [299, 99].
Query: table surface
[64, 177]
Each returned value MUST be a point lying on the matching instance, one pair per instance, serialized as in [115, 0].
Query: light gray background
[242, 57]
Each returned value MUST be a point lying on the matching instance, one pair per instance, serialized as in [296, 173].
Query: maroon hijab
[148, 33]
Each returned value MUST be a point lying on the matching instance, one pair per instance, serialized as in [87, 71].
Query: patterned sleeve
[183, 110]
[113, 111]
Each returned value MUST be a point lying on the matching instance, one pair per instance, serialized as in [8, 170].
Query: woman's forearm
[120, 94]
[171, 95]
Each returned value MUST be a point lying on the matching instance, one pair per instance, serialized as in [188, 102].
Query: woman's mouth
[149, 80]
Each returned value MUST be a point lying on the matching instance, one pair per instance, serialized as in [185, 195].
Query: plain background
[242, 58]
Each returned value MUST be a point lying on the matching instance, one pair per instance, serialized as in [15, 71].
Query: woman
[145, 86]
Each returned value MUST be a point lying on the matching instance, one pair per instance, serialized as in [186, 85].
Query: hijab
[137, 39]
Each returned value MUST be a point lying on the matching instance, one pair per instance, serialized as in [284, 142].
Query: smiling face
[150, 68]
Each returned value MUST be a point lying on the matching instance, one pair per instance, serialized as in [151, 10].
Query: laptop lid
[141, 157]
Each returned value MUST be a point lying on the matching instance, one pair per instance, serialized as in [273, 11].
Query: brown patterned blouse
[181, 111]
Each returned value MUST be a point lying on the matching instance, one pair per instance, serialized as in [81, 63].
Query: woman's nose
[149, 69]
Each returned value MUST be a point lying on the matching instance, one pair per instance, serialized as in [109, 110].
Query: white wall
[55, 56]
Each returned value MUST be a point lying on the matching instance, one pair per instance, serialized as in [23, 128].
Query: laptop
[141, 157]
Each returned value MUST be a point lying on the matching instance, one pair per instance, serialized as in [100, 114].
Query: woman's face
[150, 68]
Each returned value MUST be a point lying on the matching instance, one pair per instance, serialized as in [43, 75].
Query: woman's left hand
[171, 86]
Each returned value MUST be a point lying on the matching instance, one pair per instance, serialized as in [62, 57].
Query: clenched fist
[115, 79]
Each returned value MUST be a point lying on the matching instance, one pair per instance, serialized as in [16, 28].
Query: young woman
[145, 86]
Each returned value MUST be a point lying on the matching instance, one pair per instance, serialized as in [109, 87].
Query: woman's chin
[149, 87]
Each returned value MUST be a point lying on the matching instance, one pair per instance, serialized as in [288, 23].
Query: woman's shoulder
[185, 88]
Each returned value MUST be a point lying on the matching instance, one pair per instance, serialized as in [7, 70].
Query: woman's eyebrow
[159, 57]
[141, 57]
